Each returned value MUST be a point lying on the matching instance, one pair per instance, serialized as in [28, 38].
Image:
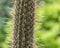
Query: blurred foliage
[47, 23]
[47, 27]
[5, 17]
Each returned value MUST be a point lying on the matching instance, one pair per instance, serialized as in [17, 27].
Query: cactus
[23, 24]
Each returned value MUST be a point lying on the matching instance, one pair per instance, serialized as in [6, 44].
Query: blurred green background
[47, 23]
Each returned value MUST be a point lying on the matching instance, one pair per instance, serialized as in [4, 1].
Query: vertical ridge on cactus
[23, 24]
